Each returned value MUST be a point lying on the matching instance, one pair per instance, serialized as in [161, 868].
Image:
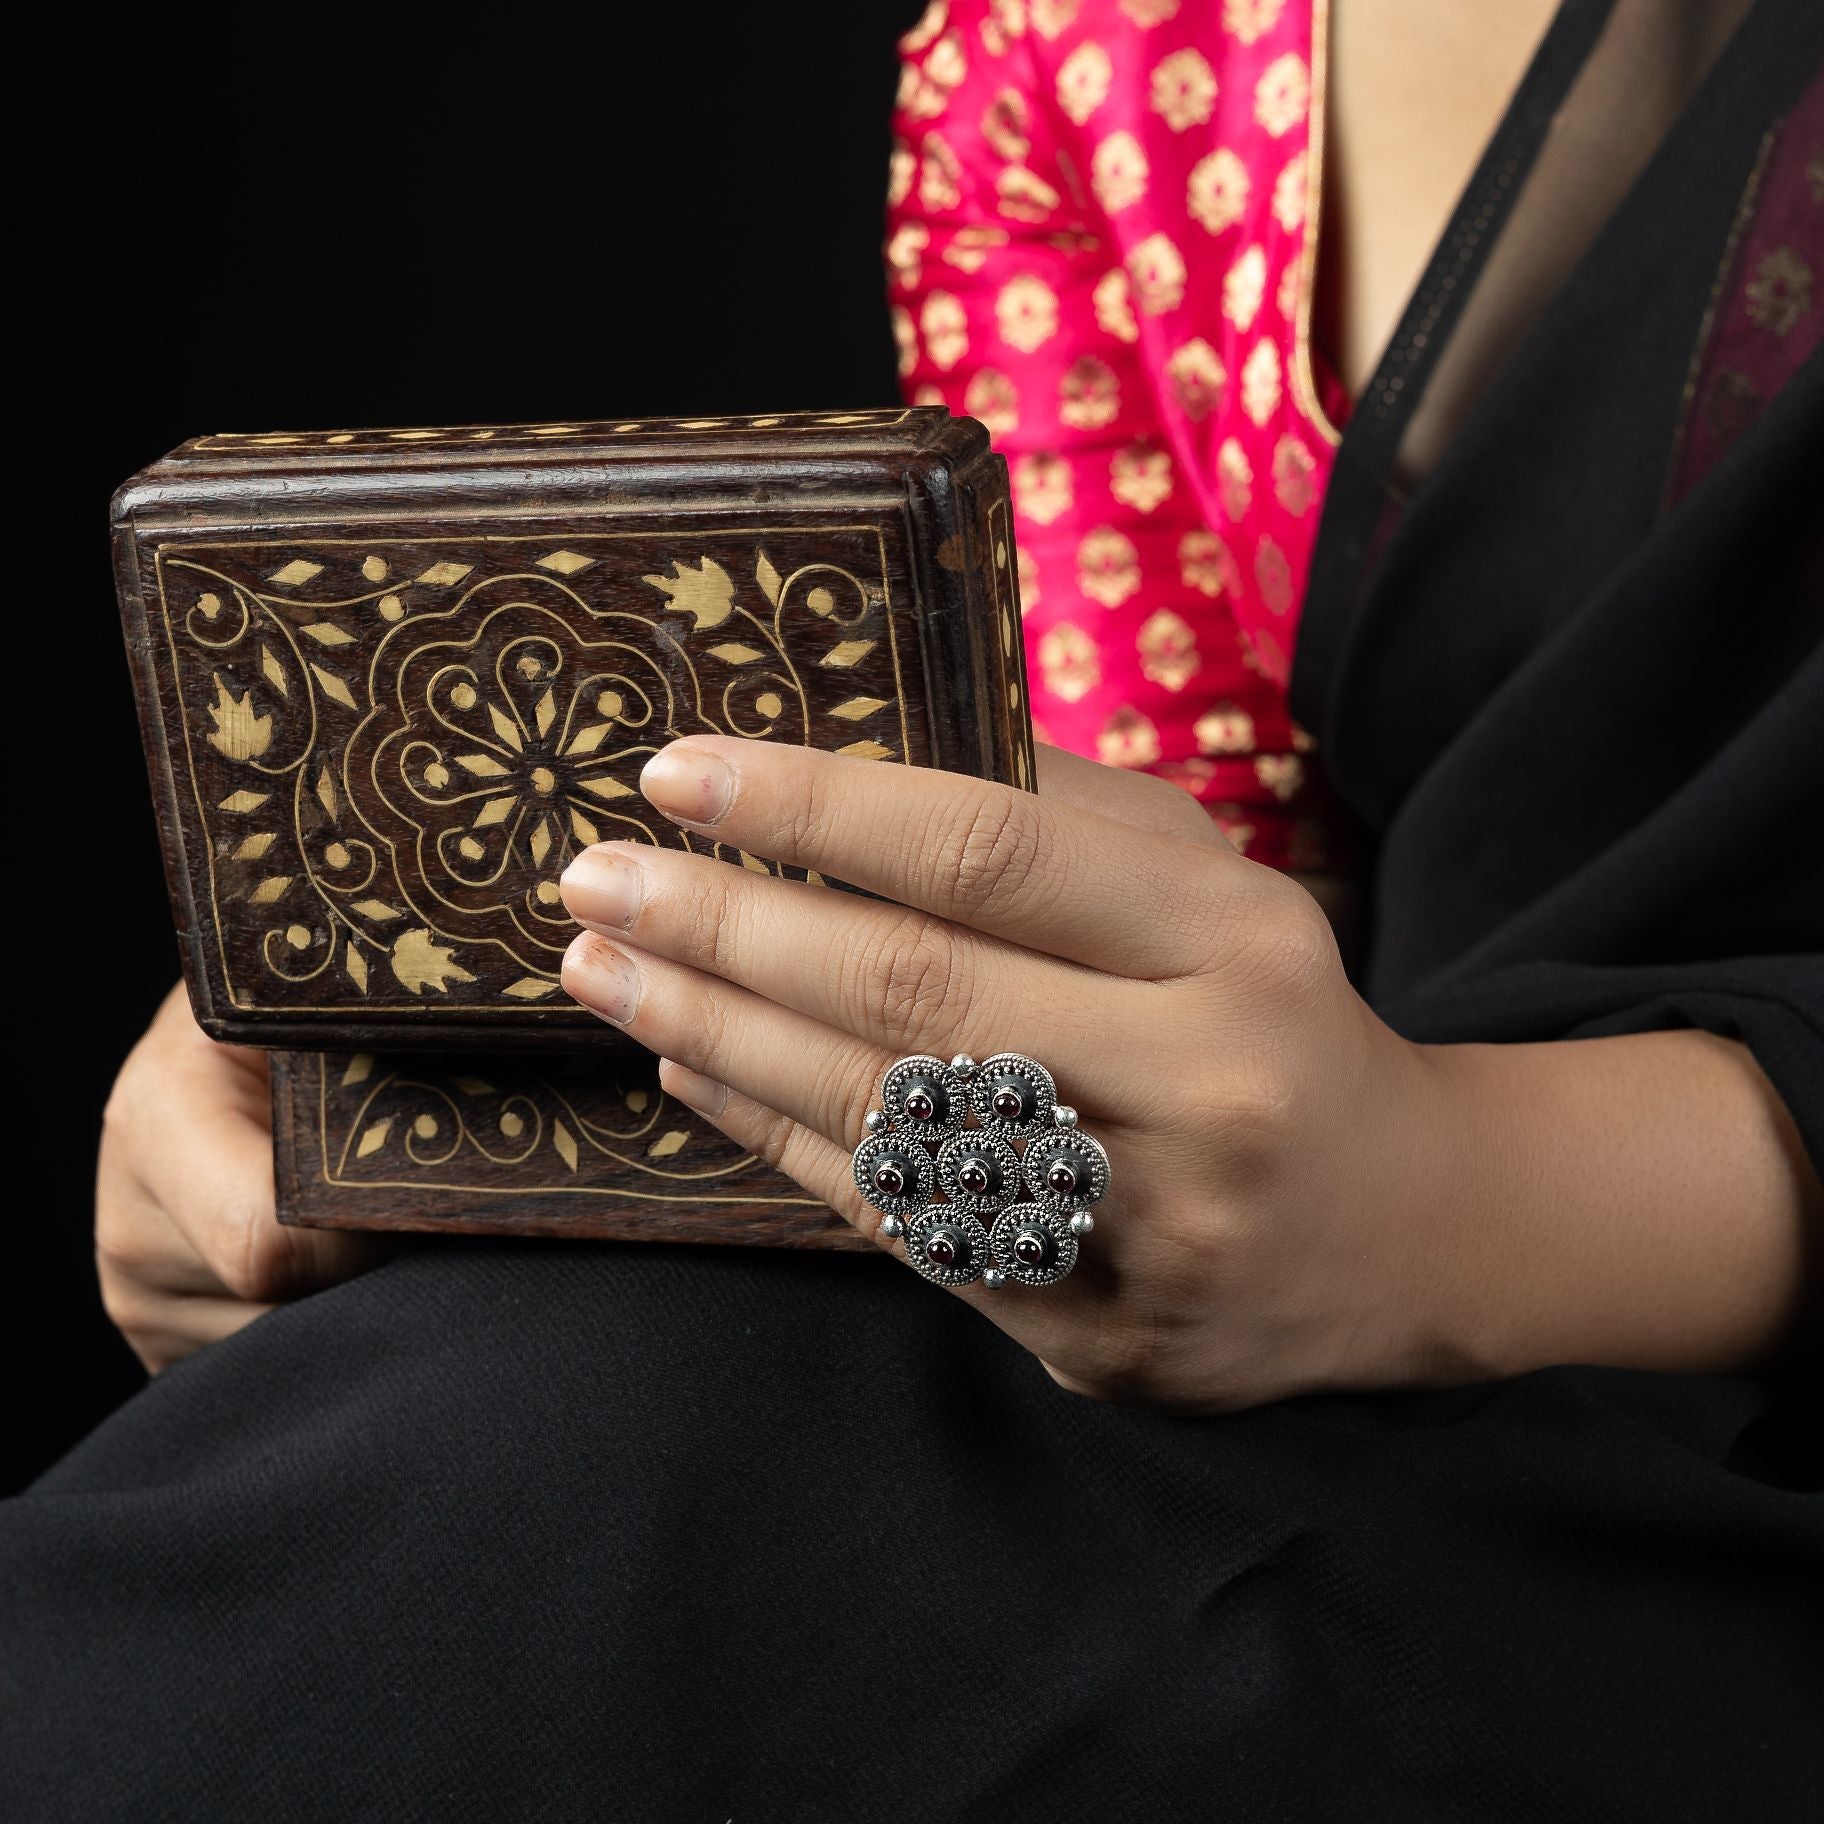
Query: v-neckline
[1424, 325]
[1354, 513]
[1362, 508]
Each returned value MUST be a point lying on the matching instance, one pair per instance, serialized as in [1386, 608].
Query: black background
[678, 213]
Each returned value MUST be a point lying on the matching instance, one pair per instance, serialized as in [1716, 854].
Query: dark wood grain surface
[391, 681]
[578, 1145]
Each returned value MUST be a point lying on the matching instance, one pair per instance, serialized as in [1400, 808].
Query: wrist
[1636, 1202]
[1457, 1220]
[1434, 1128]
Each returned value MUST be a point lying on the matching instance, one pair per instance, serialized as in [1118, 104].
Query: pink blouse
[1100, 246]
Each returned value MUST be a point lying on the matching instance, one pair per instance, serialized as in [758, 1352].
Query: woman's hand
[186, 1239]
[1190, 1004]
[1301, 1198]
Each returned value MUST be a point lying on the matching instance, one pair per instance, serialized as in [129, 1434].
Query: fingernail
[603, 887]
[689, 784]
[693, 1089]
[602, 977]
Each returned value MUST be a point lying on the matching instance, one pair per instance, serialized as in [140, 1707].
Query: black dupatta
[1572, 683]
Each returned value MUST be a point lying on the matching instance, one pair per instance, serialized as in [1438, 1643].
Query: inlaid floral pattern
[493, 1136]
[395, 747]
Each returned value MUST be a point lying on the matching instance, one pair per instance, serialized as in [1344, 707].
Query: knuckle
[853, 1089]
[1265, 937]
[1118, 1359]
[244, 1254]
[1159, 805]
[995, 854]
[715, 926]
[702, 1034]
[803, 820]
[909, 975]
[1181, 815]
[690, 912]
[1300, 947]
[128, 1306]
[121, 1251]
[773, 1140]
[125, 1095]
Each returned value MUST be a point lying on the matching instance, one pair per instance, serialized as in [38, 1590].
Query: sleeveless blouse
[1100, 244]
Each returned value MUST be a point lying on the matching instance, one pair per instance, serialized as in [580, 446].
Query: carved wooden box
[390, 681]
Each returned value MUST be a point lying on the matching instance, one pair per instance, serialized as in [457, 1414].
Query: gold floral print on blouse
[1234, 479]
[1118, 172]
[1108, 566]
[1196, 375]
[1157, 270]
[1779, 294]
[1083, 80]
[1282, 94]
[1183, 89]
[1205, 563]
[1089, 395]
[1140, 477]
[1069, 661]
[1027, 313]
[1168, 649]
[1217, 190]
[1130, 337]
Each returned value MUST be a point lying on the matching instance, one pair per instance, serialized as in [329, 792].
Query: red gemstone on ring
[888, 1178]
[920, 1106]
[1007, 1104]
[1061, 1178]
[940, 1250]
[973, 1177]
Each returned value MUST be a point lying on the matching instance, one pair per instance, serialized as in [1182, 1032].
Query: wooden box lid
[391, 680]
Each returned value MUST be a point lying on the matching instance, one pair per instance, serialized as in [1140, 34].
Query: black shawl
[1573, 684]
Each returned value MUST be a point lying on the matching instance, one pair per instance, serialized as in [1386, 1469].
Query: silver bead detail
[1063, 1116]
[1082, 1223]
[876, 1121]
[993, 1278]
[892, 1227]
[963, 1064]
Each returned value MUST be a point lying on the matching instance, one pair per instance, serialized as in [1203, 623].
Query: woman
[1558, 633]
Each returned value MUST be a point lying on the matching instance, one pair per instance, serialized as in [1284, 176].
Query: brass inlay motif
[1004, 595]
[385, 809]
[392, 437]
[519, 1128]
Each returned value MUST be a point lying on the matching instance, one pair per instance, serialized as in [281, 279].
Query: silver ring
[980, 1170]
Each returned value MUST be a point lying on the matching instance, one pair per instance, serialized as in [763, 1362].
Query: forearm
[1640, 1201]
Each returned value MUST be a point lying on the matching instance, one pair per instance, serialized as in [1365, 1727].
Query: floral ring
[980, 1170]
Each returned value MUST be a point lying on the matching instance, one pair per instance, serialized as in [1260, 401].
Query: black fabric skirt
[505, 1532]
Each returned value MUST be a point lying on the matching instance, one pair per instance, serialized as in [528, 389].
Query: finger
[899, 978]
[1006, 863]
[136, 1241]
[164, 1327]
[236, 1250]
[811, 1159]
[815, 1075]
[202, 1151]
[1136, 799]
[1042, 1321]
